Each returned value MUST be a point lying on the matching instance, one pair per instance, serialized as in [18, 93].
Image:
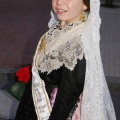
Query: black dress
[70, 85]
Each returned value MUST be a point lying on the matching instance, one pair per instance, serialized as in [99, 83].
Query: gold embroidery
[42, 45]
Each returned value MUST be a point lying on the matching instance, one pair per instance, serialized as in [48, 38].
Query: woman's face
[68, 11]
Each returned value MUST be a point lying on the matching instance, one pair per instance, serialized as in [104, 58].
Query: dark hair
[87, 3]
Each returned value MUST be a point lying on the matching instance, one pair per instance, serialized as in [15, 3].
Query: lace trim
[73, 110]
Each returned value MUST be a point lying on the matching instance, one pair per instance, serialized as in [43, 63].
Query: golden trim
[42, 44]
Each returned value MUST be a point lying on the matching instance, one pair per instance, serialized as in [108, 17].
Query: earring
[83, 17]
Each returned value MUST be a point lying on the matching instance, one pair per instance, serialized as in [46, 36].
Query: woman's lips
[61, 11]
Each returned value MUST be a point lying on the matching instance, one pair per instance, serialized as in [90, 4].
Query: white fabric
[96, 100]
[53, 20]
[62, 47]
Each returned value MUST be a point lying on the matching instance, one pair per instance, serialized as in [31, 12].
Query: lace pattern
[66, 54]
[95, 103]
[73, 110]
[56, 31]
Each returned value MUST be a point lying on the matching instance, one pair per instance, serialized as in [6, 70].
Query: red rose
[24, 74]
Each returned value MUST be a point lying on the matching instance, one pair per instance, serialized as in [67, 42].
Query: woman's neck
[63, 22]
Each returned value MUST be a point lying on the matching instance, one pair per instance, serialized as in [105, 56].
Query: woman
[68, 82]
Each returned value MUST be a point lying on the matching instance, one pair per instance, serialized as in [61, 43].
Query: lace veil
[96, 99]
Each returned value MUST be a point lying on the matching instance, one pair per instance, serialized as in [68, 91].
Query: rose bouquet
[23, 76]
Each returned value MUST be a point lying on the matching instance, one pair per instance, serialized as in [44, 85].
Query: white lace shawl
[96, 100]
[63, 46]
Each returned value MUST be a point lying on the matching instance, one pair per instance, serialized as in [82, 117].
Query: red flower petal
[24, 74]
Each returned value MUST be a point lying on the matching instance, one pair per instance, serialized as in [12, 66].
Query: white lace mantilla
[63, 51]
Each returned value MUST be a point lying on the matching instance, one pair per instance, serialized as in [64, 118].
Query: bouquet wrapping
[23, 76]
